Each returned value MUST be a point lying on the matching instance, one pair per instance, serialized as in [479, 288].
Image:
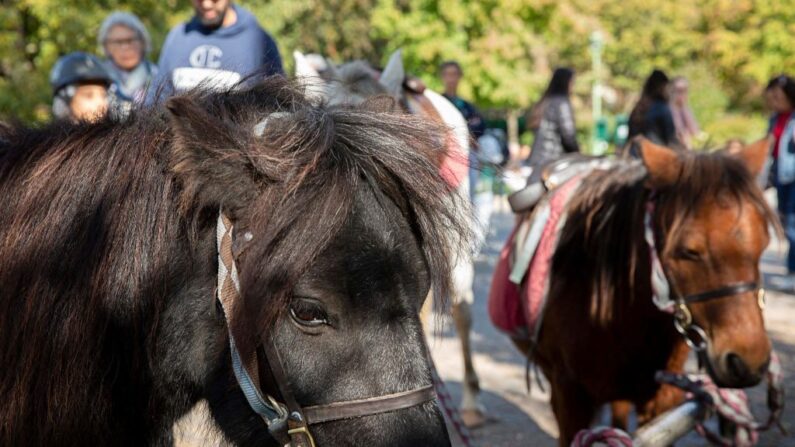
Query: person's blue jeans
[786, 210]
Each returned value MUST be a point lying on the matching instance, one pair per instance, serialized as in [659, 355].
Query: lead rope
[446, 402]
[732, 404]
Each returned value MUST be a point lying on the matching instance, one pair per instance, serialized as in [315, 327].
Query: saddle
[554, 174]
[521, 277]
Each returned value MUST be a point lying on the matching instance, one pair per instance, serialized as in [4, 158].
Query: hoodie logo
[206, 56]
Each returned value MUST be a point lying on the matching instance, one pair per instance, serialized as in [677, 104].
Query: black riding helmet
[78, 68]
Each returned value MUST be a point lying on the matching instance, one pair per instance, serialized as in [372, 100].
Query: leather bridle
[287, 421]
[667, 298]
[683, 318]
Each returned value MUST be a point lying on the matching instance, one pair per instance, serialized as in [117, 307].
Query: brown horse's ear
[208, 158]
[663, 164]
[755, 155]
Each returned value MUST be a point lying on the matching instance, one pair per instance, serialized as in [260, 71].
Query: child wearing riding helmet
[82, 88]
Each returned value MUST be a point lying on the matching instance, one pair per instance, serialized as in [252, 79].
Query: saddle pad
[516, 306]
[505, 307]
[535, 291]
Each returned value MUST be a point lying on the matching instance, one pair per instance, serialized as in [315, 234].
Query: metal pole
[597, 44]
[670, 426]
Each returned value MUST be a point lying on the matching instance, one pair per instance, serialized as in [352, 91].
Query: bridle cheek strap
[288, 422]
[243, 366]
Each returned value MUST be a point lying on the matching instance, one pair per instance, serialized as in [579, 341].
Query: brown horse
[602, 338]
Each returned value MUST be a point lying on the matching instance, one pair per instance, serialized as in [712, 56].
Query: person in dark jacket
[552, 121]
[652, 115]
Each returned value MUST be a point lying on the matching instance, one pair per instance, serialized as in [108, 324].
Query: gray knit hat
[130, 21]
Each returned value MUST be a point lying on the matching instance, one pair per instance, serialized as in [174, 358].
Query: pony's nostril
[736, 366]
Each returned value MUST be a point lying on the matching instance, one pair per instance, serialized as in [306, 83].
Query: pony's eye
[688, 254]
[308, 313]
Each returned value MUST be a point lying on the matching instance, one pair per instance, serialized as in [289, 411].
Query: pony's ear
[303, 69]
[381, 104]
[208, 158]
[662, 164]
[755, 154]
[307, 74]
[393, 75]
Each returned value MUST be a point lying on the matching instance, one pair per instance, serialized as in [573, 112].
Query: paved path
[525, 419]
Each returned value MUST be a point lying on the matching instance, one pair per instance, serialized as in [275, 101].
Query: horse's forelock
[715, 177]
[314, 159]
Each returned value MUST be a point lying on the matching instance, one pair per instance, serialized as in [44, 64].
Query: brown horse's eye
[308, 313]
[688, 254]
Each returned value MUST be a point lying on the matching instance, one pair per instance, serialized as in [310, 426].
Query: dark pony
[109, 329]
[710, 223]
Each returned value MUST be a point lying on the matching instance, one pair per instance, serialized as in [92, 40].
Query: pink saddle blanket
[517, 309]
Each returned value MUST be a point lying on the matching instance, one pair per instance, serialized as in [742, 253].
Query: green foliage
[708, 100]
[508, 48]
[746, 127]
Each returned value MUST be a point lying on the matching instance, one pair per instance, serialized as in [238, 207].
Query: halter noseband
[287, 421]
[678, 305]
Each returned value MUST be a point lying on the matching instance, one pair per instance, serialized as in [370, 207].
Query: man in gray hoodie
[221, 45]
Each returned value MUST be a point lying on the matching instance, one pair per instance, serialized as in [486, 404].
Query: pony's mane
[103, 222]
[606, 215]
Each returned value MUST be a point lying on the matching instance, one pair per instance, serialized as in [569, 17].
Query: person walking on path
[219, 46]
[126, 44]
[652, 115]
[552, 121]
[684, 121]
[451, 74]
[780, 93]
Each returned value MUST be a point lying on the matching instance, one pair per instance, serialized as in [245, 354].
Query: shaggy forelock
[308, 165]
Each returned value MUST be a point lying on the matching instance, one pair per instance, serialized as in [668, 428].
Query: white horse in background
[354, 82]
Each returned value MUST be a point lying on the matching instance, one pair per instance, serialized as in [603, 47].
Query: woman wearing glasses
[126, 44]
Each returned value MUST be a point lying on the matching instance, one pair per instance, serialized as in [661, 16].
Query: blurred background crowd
[727, 50]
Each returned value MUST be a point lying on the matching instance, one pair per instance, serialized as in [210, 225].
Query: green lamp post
[599, 138]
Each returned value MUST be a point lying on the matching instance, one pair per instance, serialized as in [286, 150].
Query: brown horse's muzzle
[738, 355]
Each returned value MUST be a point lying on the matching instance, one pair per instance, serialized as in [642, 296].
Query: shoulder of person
[175, 33]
